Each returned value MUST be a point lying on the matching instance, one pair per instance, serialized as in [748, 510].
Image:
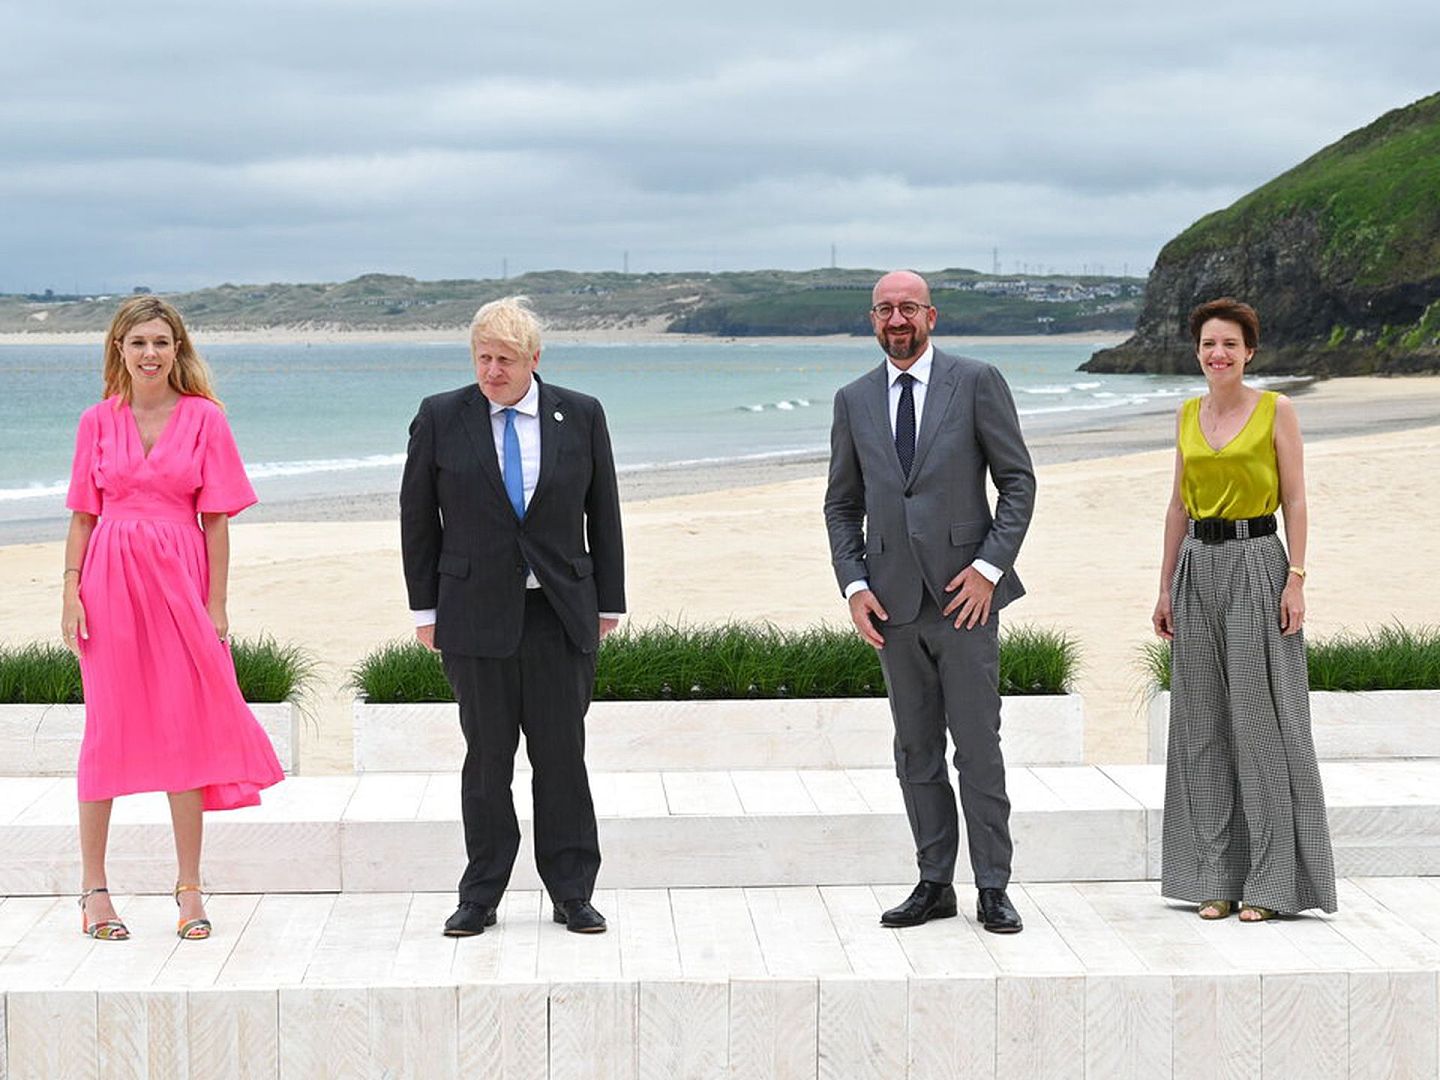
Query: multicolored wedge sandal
[191, 929]
[104, 929]
[1257, 913]
[1218, 909]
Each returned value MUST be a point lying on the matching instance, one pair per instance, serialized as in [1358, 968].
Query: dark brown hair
[1231, 310]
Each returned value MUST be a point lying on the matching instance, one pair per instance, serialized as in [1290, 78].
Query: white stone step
[44, 740]
[387, 832]
[629, 736]
[1108, 980]
[1370, 725]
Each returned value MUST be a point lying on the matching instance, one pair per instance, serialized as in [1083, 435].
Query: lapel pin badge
[559, 416]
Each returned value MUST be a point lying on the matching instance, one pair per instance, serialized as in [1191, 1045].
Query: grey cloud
[263, 140]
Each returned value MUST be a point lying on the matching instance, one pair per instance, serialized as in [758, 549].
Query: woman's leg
[188, 818]
[94, 836]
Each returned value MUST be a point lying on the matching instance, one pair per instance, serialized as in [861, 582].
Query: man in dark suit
[510, 534]
[926, 566]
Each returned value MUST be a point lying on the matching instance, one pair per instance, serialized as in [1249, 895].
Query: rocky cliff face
[1340, 256]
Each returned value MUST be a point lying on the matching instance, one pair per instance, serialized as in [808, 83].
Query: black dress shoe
[995, 912]
[579, 917]
[469, 920]
[930, 900]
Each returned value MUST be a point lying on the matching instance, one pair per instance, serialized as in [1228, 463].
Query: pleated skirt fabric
[1244, 808]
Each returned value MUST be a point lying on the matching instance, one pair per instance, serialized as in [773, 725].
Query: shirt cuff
[424, 618]
[612, 614]
[989, 571]
[858, 585]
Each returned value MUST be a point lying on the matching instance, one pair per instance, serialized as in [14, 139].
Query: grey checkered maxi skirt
[1244, 810]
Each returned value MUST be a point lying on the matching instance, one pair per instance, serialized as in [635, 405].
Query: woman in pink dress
[144, 605]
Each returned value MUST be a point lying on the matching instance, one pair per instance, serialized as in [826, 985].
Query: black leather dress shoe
[579, 917]
[929, 900]
[995, 912]
[469, 920]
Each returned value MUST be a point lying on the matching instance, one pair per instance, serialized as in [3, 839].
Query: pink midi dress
[162, 709]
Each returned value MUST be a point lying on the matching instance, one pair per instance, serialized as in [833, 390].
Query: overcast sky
[185, 144]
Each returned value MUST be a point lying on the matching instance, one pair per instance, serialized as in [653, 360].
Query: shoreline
[598, 336]
[1333, 409]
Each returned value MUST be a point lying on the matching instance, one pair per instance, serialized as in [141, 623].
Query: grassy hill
[1340, 255]
[770, 302]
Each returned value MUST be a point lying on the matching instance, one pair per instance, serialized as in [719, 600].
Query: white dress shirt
[920, 371]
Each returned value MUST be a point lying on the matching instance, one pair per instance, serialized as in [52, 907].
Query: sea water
[331, 418]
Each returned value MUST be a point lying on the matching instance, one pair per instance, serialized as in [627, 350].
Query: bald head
[902, 336]
[912, 283]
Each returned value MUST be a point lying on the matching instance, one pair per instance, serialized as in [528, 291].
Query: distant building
[140, 290]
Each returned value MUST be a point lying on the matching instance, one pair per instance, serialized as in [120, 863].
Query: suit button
[908, 494]
[520, 569]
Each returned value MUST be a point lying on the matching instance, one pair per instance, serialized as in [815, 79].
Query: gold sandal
[105, 929]
[1223, 908]
[1262, 914]
[191, 929]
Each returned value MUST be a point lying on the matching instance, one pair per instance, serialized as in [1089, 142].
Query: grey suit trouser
[940, 679]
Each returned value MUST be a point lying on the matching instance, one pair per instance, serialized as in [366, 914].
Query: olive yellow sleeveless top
[1242, 478]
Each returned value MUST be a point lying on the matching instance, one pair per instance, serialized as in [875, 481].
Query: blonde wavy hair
[510, 321]
[190, 375]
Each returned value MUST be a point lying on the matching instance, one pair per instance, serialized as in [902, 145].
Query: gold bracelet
[1298, 571]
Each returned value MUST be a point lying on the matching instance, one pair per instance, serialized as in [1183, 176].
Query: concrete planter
[1366, 726]
[44, 740]
[628, 736]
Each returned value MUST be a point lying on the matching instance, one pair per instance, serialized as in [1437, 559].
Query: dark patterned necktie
[905, 422]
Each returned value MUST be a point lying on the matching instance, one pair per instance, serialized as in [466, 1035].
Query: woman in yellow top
[1244, 811]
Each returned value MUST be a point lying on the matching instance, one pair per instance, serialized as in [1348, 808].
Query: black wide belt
[1218, 530]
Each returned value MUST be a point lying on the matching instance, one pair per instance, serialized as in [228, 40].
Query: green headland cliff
[1340, 256]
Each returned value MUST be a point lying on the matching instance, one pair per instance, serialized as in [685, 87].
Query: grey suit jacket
[908, 535]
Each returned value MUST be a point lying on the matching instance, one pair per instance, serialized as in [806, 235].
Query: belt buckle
[1210, 530]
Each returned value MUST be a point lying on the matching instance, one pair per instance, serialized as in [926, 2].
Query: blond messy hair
[190, 375]
[510, 321]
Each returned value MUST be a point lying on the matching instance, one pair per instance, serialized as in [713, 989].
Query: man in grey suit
[926, 566]
[510, 535]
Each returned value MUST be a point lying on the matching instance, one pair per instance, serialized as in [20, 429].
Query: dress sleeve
[224, 487]
[84, 494]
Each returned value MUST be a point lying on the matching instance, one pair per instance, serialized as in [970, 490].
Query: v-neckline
[1238, 431]
[145, 455]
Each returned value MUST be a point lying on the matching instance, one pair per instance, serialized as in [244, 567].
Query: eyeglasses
[909, 309]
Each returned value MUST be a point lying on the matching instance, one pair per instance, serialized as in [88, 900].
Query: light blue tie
[514, 475]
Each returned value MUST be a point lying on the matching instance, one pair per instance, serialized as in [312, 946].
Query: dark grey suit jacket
[907, 535]
[465, 552]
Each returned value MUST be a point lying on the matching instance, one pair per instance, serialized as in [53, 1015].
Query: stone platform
[1107, 981]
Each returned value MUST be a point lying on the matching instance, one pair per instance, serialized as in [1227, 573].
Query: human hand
[607, 625]
[216, 610]
[864, 609]
[971, 603]
[1292, 606]
[1163, 618]
[72, 622]
[426, 636]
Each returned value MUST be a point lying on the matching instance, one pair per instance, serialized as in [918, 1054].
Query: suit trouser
[940, 679]
[544, 690]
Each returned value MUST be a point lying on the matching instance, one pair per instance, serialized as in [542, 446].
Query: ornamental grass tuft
[46, 674]
[39, 674]
[269, 671]
[1392, 657]
[727, 661]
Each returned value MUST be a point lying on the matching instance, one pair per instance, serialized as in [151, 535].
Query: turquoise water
[332, 419]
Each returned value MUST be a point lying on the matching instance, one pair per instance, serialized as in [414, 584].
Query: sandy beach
[748, 542]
